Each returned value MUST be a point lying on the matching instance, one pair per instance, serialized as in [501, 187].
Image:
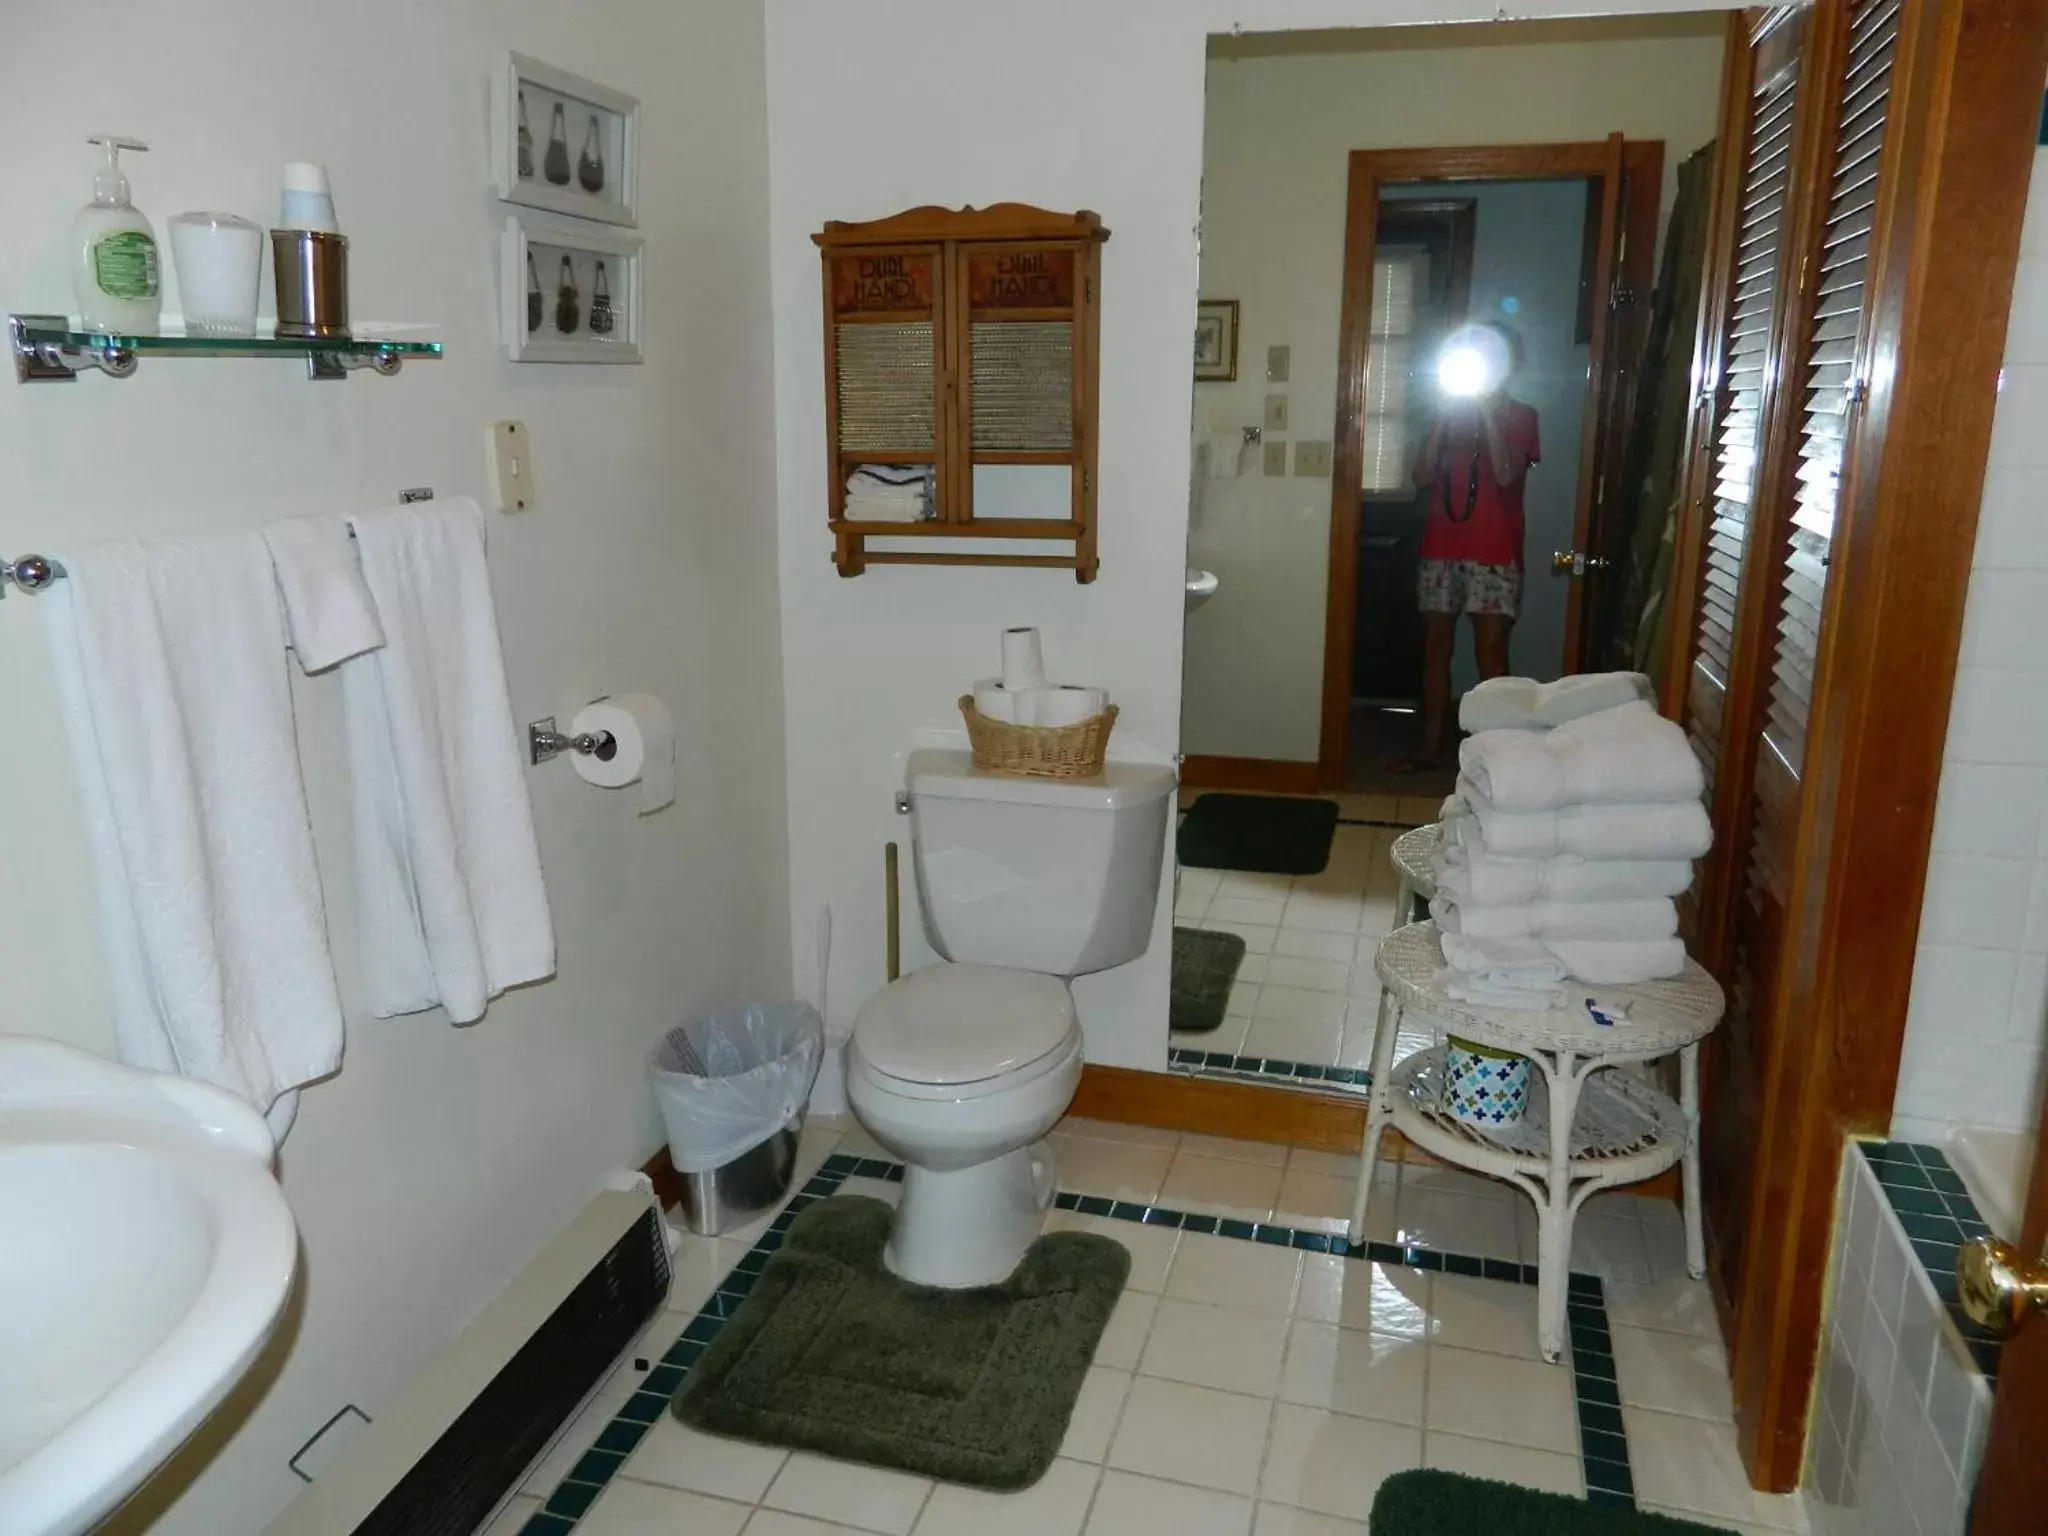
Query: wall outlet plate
[1276, 458]
[1311, 457]
[1278, 360]
[1276, 413]
[512, 464]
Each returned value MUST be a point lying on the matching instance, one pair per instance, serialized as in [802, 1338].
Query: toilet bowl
[961, 1068]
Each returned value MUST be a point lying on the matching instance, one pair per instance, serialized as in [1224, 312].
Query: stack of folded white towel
[889, 493]
[1575, 820]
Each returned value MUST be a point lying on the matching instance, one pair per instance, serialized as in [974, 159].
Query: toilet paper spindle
[544, 742]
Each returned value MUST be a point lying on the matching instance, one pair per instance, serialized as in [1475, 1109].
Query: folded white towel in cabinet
[1677, 829]
[327, 606]
[1647, 918]
[450, 904]
[1619, 962]
[170, 664]
[1522, 703]
[1477, 878]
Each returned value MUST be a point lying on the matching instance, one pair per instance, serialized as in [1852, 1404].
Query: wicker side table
[1411, 854]
[1586, 1128]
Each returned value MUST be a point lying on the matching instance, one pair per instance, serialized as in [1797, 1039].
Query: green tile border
[1188, 1059]
[1603, 1443]
[1938, 1215]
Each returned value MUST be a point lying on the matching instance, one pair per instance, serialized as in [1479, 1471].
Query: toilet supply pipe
[892, 905]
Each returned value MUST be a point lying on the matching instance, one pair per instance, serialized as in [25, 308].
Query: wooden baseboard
[668, 1184]
[1263, 775]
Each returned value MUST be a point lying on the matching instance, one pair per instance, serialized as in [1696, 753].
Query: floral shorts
[1467, 586]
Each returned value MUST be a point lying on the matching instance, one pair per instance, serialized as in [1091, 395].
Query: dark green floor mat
[1451, 1504]
[831, 1353]
[1261, 834]
[1204, 966]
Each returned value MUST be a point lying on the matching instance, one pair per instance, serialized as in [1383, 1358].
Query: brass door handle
[1573, 562]
[1997, 1284]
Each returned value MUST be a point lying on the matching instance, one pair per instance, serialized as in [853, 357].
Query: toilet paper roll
[992, 701]
[1066, 704]
[643, 747]
[1023, 660]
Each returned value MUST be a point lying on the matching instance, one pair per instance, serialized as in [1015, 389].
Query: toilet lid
[962, 1023]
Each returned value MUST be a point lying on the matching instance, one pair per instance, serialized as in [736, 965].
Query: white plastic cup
[219, 262]
[308, 203]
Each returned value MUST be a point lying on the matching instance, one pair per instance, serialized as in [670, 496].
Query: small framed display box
[569, 293]
[564, 143]
[960, 387]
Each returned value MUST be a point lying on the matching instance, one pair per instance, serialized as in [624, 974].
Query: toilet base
[970, 1226]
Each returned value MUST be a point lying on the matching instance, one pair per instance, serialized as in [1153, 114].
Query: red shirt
[1471, 515]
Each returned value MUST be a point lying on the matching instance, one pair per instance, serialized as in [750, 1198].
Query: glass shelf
[53, 348]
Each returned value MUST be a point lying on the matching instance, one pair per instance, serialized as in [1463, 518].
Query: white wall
[439, 1160]
[1280, 125]
[1092, 104]
[1977, 1027]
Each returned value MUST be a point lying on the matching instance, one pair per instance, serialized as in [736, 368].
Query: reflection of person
[1472, 469]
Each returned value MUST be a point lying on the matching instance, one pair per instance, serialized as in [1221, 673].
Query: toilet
[961, 1068]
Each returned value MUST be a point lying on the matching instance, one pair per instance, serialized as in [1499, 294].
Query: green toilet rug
[1204, 967]
[832, 1353]
[1259, 834]
[1452, 1504]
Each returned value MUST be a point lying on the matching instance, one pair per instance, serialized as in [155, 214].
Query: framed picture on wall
[569, 293]
[1216, 341]
[564, 143]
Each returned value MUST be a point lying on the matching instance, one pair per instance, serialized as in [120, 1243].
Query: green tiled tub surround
[1603, 1445]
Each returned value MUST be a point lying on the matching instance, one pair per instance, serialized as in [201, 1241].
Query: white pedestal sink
[146, 1257]
[1200, 588]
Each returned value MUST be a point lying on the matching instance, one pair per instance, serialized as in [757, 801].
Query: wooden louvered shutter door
[1761, 230]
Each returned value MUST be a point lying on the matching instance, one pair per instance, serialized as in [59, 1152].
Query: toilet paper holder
[544, 742]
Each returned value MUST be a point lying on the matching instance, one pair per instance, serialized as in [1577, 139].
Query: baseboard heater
[441, 1457]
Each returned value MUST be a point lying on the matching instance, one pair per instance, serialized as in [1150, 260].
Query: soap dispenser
[117, 274]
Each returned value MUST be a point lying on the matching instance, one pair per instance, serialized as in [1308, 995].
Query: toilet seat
[960, 1031]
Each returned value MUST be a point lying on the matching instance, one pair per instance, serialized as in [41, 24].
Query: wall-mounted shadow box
[960, 374]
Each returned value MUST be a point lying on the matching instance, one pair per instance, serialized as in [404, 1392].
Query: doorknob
[1572, 562]
[1997, 1285]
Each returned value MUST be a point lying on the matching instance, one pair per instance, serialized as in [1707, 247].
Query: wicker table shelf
[1411, 854]
[1588, 1126]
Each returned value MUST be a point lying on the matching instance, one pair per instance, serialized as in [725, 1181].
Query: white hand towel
[169, 661]
[1501, 972]
[1677, 829]
[450, 905]
[1616, 963]
[1649, 918]
[1521, 703]
[1627, 755]
[1487, 881]
[327, 607]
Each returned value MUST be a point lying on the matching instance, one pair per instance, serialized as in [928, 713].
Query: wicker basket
[1038, 751]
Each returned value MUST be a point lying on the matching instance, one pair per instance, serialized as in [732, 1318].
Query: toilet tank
[1052, 875]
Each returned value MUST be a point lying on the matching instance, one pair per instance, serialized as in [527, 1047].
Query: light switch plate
[512, 463]
[1276, 413]
[1278, 360]
[1311, 457]
[1276, 458]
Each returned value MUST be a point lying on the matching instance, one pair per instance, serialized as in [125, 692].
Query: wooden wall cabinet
[958, 339]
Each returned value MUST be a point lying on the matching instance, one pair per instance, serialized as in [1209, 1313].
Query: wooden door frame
[1958, 153]
[1643, 162]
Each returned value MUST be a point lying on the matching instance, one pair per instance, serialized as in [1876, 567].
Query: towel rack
[31, 573]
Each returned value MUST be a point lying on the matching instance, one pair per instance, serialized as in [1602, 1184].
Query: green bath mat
[831, 1353]
[1259, 834]
[1451, 1504]
[1204, 966]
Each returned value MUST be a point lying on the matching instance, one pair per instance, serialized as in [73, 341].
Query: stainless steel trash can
[720, 1199]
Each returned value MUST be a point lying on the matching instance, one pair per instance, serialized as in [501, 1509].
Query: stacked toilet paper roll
[1022, 696]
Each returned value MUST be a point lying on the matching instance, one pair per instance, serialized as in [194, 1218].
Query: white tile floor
[1306, 990]
[1242, 1389]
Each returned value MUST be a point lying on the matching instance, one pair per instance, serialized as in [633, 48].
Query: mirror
[1456, 273]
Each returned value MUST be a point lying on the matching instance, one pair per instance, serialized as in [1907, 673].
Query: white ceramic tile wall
[1980, 981]
[1898, 1429]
